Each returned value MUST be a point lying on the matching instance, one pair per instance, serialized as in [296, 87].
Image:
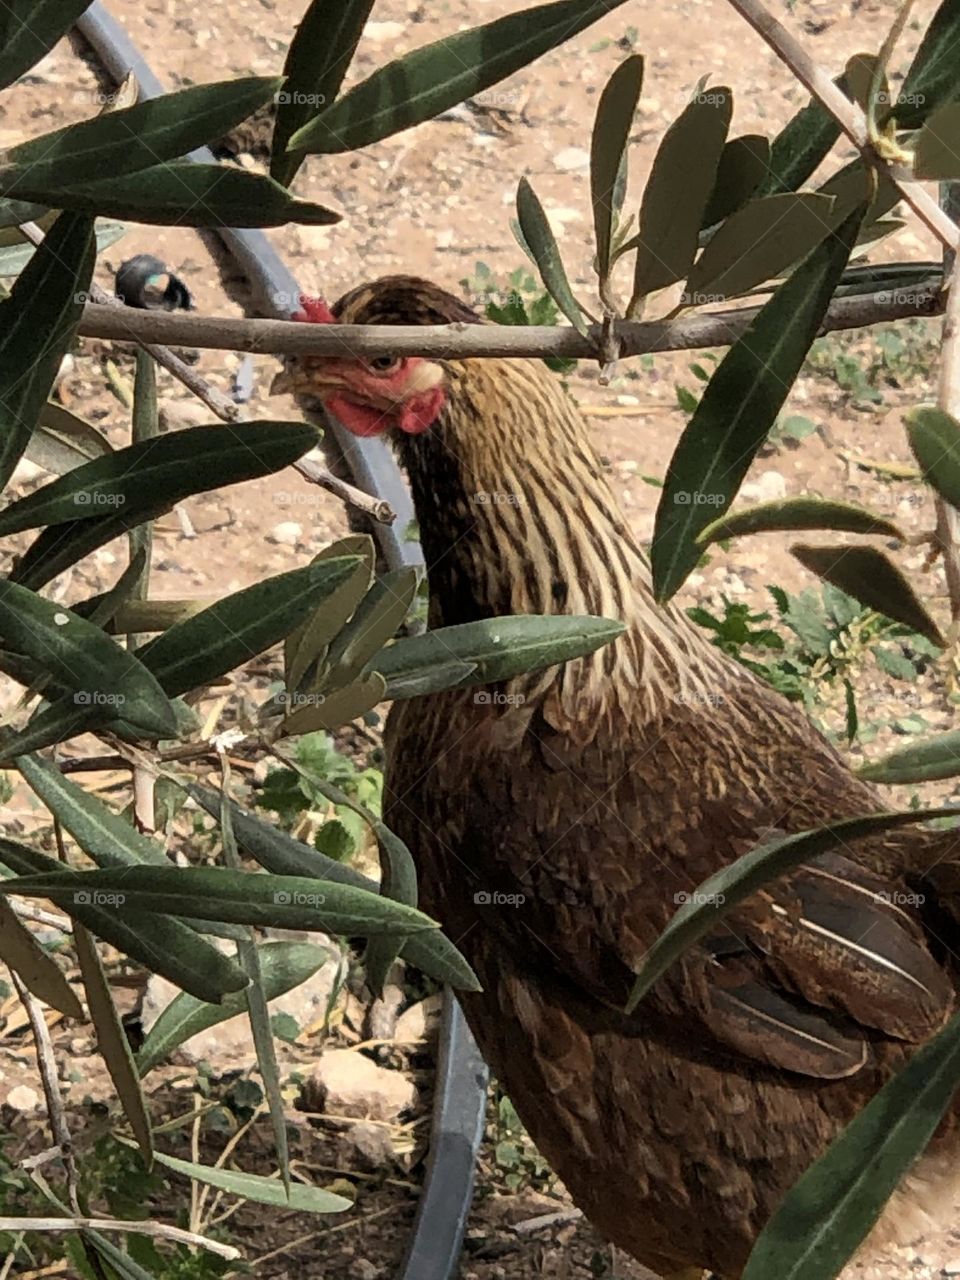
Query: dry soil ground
[436, 201]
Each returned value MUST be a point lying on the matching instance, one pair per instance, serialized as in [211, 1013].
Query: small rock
[628, 400]
[363, 1268]
[314, 239]
[420, 1021]
[770, 487]
[184, 413]
[23, 1098]
[370, 1147]
[26, 472]
[571, 158]
[348, 1083]
[67, 366]
[286, 534]
[384, 30]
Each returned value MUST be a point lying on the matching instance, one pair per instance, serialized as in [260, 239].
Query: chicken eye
[384, 364]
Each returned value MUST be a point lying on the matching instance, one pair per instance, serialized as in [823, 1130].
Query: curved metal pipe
[461, 1082]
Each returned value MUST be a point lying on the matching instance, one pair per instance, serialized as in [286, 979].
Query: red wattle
[419, 413]
[361, 419]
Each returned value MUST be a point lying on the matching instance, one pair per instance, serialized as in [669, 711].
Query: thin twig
[847, 114]
[377, 508]
[27, 911]
[948, 396]
[155, 1230]
[50, 1081]
[216, 401]
[460, 341]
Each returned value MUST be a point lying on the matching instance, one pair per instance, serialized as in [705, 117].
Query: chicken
[559, 819]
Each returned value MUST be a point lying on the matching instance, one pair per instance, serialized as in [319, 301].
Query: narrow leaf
[798, 513]
[927, 761]
[169, 468]
[238, 897]
[163, 946]
[539, 236]
[181, 193]
[608, 150]
[39, 972]
[240, 626]
[84, 659]
[935, 440]
[112, 1043]
[319, 56]
[313, 711]
[430, 80]
[800, 146]
[442, 675]
[135, 138]
[29, 29]
[872, 578]
[377, 619]
[743, 164]
[739, 406]
[934, 74]
[757, 243]
[258, 1187]
[306, 645]
[37, 323]
[678, 190]
[498, 648]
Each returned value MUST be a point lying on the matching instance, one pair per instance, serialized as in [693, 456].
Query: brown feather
[595, 797]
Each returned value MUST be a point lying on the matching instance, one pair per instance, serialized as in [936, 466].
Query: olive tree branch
[461, 341]
[847, 114]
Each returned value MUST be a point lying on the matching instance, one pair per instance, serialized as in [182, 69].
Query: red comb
[314, 311]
